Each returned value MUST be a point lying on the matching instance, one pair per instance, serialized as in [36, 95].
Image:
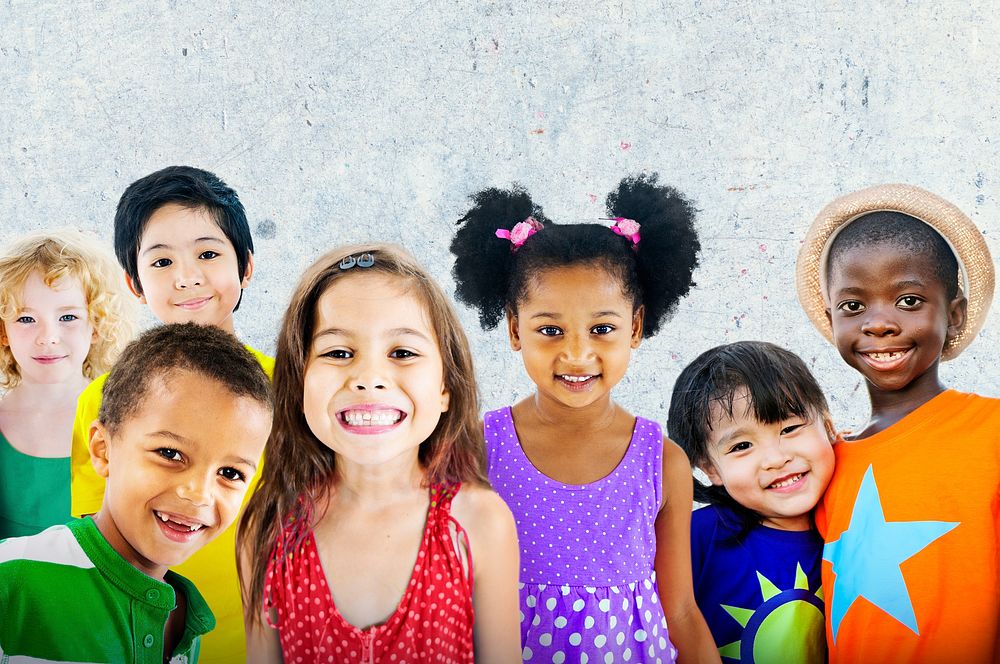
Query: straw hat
[976, 277]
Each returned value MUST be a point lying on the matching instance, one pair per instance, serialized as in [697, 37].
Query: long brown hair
[300, 470]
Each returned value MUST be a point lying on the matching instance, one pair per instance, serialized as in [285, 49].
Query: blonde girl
[63, 321]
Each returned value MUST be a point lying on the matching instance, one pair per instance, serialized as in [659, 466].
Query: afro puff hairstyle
[656, 274]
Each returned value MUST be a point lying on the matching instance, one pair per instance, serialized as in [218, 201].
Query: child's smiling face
[178, 469]
[576, 331]
[374, 385]
[188, 269]
[779, 470]
[891, 316]
[51, 334]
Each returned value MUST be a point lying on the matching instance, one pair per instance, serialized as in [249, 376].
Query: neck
[109, 529]
[890, 406]
[593, 417]
[45, 396]
[379, 485]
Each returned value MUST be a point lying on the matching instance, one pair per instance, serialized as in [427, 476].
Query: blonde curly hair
[67, 254]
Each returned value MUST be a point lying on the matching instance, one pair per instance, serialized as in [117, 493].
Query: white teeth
[788, 482]
[362, 418]
[886, 357]
[575, 379]
[164, 518]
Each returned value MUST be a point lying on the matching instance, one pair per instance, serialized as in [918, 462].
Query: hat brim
[976, 279]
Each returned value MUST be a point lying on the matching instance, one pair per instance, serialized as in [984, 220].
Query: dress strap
[441, 497]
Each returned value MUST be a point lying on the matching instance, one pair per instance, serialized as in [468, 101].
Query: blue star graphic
[867, 556]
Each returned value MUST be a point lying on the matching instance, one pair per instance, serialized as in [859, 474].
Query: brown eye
[232, 474]
[851, 306]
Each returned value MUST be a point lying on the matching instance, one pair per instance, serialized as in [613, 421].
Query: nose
[879, 322]
[48, 334]
[576, 348]
[195, 487]
[775, 455]
[368, 374]
[188, 275]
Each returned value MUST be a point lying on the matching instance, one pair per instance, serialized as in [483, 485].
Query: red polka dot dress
[433, 622]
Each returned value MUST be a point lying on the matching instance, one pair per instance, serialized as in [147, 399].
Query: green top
[34, 491]
[67, 596]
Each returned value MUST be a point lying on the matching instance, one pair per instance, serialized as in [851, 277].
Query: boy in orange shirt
[899, 279]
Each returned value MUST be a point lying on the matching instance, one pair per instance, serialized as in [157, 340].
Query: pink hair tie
[522, 231]
[626, 228]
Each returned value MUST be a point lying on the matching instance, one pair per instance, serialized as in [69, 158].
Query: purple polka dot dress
[588, 589]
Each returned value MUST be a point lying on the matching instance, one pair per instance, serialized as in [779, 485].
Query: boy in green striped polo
[183, 421]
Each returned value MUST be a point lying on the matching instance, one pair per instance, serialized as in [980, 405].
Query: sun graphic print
[786, 627]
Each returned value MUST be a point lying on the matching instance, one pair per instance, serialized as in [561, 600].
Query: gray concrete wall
[341, 121]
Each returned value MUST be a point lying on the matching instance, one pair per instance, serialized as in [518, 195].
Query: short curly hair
[68, 254]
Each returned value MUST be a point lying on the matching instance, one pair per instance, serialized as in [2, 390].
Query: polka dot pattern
[588, 590]
[433, 622]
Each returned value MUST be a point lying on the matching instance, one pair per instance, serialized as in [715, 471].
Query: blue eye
[68, 318]
[25, 320]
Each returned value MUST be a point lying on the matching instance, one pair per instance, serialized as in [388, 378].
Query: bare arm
[263, 646]
[688, 631]
[495, 564]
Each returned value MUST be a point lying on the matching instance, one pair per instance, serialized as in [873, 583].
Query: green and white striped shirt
[67, 596]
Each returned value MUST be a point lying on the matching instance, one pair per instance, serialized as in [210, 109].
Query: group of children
[391, 521]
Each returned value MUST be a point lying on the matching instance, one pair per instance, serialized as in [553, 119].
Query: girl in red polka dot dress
[373, 536]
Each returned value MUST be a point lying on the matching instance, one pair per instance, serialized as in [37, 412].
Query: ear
[713, 475]
[958, 309]
[831, 432]
[99, 440]
[637, 319]
[515, 339]
[248, 272]
[829, 316]
[135, 288]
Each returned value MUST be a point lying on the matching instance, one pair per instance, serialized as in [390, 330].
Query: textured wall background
[343, 121]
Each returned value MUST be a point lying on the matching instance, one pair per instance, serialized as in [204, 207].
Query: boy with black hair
[900, 279]
[181, 235]
[186, 413]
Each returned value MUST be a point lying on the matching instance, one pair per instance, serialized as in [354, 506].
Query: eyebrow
[163, 433]
[899, 285]
[161, 245]
[68, 307]
[394, 332]
[596, 314]
[732, 435]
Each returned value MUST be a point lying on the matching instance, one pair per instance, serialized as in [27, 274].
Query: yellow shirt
[212, 569]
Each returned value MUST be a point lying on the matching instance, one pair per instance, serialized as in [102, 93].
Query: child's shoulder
[710, 518]
[483, 513]
[474, 501]
[57, 544]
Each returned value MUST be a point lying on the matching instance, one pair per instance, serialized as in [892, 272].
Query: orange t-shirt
[911, 565]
